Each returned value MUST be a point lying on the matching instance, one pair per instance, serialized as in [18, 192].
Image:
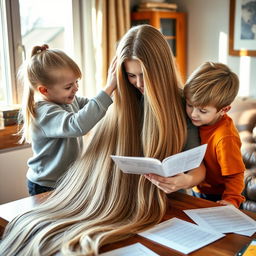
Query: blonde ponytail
[38, 71]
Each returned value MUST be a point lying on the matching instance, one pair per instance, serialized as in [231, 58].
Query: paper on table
[134, 249]
[248, 232]
[224, 219]
[170, 166]
[181, 235]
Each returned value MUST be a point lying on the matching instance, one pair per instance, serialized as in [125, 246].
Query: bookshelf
[173, 26]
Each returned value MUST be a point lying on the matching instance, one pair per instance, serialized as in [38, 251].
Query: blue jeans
[35, 189]
[209, 197]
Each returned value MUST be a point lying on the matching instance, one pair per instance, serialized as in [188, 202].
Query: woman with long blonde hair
[95, 203]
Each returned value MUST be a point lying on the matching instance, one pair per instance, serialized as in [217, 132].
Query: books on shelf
[8, 111]
[155, 9]
[170, 166]
[9, 114]
[158, 5]
[153, 6]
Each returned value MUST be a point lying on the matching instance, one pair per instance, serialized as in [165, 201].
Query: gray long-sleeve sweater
[57, 135]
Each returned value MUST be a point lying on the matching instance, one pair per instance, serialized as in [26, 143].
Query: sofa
[243, 113]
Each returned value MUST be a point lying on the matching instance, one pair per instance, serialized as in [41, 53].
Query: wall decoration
[242, 28]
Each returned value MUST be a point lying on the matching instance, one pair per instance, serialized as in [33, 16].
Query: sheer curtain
[103, 23]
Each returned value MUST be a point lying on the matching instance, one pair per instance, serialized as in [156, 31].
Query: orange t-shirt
[223, 161]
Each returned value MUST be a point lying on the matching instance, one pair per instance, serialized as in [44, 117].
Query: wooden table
[178, 202]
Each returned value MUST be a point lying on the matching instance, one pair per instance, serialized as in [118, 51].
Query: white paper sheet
[170, 166]
[224, 219]
[134, 249]
[248, 232]
[181, 235]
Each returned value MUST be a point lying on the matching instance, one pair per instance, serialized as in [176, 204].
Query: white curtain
[101, 24]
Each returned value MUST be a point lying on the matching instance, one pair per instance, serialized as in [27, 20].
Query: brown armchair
[243, 113]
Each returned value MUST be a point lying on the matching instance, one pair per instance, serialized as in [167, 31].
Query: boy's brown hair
[212, 84]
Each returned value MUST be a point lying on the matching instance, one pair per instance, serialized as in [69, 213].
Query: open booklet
[170, 166]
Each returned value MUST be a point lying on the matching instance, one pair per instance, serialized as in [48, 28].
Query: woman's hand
[169, 184]
[111, 80]
[179, 181]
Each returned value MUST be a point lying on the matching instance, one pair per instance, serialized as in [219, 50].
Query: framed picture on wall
[242, 28]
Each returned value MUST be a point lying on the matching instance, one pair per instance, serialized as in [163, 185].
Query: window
[26, 23]
[5, 68]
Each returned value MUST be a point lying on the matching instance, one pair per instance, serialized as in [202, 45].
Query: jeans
[35, 189]
[209, 197]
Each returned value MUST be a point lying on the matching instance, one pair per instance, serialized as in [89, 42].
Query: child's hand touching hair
[111, 80]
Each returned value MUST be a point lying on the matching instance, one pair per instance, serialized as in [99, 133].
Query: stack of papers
[186, 237]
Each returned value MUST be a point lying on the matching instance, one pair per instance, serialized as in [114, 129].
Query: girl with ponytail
[95, 203]
[55, 122]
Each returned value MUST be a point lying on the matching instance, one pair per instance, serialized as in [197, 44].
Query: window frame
[15, 51]
[13, 45]
[14, 54]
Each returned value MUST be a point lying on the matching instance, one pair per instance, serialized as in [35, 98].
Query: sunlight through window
[244, 76]
[5, 92]
[47, 22]
[223, 47]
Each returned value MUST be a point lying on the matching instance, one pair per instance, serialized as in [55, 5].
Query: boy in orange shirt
[209, 92]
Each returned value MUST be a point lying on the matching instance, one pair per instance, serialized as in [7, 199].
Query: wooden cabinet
[173, 27]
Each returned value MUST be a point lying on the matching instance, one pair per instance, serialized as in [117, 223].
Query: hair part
[212, 84]
[161, 85]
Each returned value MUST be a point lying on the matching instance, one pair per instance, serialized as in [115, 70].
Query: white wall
[208, 32]
[208, 29]
[13, 170]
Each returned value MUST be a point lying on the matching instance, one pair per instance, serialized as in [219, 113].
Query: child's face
[64, 91]
[203, 116]
[134, 73]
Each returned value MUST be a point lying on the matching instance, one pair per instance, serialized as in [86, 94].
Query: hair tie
[43, 48]
[39, 49]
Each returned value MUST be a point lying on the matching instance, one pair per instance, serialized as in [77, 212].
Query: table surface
[178, 202]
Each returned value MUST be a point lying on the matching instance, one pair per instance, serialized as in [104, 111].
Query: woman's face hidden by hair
[134, 73]
[64, 90]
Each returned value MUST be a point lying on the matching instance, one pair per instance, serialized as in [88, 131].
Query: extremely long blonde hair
[95, 203]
